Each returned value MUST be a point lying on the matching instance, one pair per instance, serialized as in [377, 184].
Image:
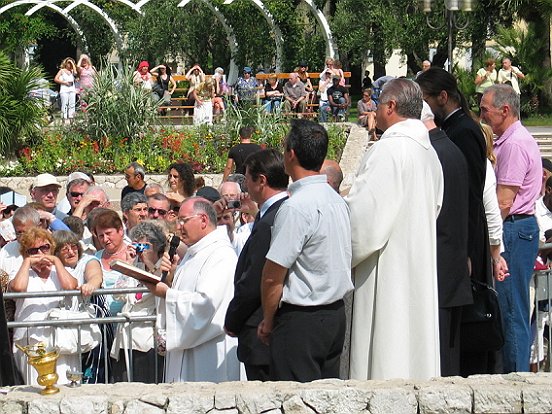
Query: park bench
[178, 110]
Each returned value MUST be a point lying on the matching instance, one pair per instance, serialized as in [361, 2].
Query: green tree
[18, 31]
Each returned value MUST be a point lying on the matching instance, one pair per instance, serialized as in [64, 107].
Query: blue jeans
[323, 111]
[272, 105]
[521, 242]
[339, 111]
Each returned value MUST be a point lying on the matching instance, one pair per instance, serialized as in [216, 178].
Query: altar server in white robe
[394, 202]
[192, 310]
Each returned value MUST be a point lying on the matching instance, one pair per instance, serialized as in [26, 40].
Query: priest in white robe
[394, 202]
[192, 310]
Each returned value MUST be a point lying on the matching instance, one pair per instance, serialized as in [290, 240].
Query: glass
[44, 249]
[68, 247]
[9, 210]
[76, 194]
[159, 211]
[183, 220]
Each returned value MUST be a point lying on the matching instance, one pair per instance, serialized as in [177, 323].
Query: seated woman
[274, 92]
[88, 272]
[40, 271]
[367, 112]
[164, 84]
[149, 242]
[221, 90]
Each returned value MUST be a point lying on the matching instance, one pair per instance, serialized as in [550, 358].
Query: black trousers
[307, 342]
[449, 338]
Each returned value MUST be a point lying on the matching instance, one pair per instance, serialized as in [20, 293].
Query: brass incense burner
[44, 361]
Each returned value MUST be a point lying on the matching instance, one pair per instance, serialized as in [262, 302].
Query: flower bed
[206, 147]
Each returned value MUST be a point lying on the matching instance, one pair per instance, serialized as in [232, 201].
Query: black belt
[288, 307]
[517, 217]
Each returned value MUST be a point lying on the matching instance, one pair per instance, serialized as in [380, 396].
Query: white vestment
[193, 313]
[394, 201]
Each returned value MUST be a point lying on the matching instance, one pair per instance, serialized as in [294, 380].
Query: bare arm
[21, 280]
[272, 286]
[228, 169]
[506, 195]
[66, 280]
[93, 277]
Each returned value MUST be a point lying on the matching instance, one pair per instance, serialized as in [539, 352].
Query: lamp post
[449, 19]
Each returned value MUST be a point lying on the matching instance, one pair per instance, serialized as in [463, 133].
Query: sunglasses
[76, 194]
[45, 248]
[9, 210]
[159, 211]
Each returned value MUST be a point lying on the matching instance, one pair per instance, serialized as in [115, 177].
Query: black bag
[481, 328]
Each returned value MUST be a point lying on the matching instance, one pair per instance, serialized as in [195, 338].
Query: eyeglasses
[9, 210]
[183, 220]
[45, 248]
[76, 194]
[159, 211]
[68, 247]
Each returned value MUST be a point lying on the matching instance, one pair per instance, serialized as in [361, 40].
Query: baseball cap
[42, 180]
[77, 175]
[546, 164]
[247, 69]
[303, 63]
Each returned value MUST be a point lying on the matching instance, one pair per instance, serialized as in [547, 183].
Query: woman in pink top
[86, 72]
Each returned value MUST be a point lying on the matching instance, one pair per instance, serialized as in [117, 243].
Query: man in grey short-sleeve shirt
[308, 267]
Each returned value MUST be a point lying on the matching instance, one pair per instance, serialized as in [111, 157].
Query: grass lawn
[538, 120]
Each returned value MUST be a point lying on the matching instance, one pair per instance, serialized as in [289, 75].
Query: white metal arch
[76, 27]
[112, 25]
[278, 38]
[232, 42]
[331, 49]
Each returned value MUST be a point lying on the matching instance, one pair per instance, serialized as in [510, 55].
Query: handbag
[66, 337]
[481, 328]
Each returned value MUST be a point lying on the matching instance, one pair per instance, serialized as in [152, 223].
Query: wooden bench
[260, 77]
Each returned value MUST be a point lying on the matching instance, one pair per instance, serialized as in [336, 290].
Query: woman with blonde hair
[203, 107]
[86, 72]
[67, 90]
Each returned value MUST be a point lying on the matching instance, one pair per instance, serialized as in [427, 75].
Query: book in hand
[135, 272]
[11, 198]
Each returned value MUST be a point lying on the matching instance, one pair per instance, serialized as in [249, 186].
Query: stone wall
[513, 393]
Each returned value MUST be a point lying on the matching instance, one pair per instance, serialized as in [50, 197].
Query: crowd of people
[209, 95]
[261, 269]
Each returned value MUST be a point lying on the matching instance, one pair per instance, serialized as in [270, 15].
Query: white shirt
[10, 258]
[544, 218]
[311, 237]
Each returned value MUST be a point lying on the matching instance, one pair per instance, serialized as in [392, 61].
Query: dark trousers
[449, 338]
[307, 342]
[257, 372]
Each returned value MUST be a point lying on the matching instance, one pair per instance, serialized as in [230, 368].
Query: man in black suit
[452, 245]
[452, 114]
[266, 183]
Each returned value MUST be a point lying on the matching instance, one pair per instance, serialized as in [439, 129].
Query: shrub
[21, 116]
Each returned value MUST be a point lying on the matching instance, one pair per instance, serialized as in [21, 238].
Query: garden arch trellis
[331, 50]
[38, 4]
